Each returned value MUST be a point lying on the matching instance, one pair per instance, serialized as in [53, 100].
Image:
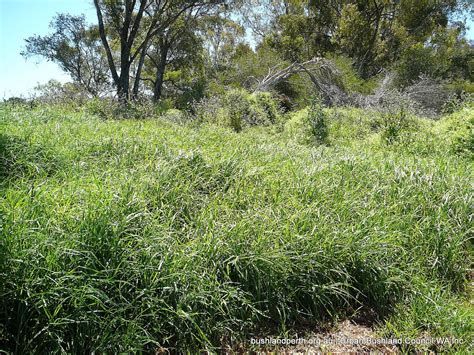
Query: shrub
[112, 109]
[99, 108]
[54, 92]
[457, 130]
[238, 109]
[457, 101]
[350, 78]
[317, 120]
[175, 115]
[393, 124]
[209, 110]
[269, 106]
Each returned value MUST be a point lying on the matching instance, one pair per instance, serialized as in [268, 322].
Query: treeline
[184, 50]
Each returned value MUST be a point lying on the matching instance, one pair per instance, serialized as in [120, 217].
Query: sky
[20, 19]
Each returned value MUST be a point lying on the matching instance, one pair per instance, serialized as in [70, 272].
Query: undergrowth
[136, 235]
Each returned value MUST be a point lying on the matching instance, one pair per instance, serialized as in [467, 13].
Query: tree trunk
[128, 33]
[124, 79]
[141, 61]
[160, 73]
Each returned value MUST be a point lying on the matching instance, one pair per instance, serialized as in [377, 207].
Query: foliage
[317, 121]
[76, 48]
[394, 124]
[185, 51]
[447, 56]
[53, 92]
[350, 78]
[431, 311]
[457, 129]
[144, 235]
[238, 109]
[458, 100]
[107, 109]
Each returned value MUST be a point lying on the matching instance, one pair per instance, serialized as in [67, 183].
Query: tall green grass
[135, 235]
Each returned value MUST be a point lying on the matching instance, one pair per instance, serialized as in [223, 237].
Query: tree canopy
[167, 47]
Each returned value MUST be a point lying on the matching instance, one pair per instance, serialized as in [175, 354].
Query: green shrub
[350, 78]
[457, 101]
[99, 108]
[112, 109]
[175, 115]
[394, 124]
[210, 110]
[457, 130]
[269, 105]
[163, 106]
[317, 121]
[238, 109]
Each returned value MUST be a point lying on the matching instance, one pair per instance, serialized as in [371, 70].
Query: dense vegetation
[219, 169]
[187, 233]
[185, 50]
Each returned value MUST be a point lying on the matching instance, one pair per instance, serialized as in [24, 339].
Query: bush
[350, 78]
[112, 109]
[317, 120]
[54, 92]
[269, 106]
[175, 115]
[457, 130]
[393, 124]
[457, 101]
[238, 109]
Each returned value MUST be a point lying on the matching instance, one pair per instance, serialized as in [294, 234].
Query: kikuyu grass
[136, 235]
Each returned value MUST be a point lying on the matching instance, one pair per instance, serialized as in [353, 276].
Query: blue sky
[20, 19]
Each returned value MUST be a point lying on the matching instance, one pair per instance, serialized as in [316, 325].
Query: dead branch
[322, 73]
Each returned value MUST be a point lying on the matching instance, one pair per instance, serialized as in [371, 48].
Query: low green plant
[457, 101]
[269, 105]
[457, 130]
[317, 120]
[145, 235]
[349, 77]
[237, 109]
[394, 125]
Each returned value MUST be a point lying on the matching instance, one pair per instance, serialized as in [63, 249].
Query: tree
[222, 36]
[134, 23]
[177, 48]
[373, 33]
[76, 48]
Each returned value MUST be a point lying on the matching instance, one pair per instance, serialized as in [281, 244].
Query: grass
[136, 235]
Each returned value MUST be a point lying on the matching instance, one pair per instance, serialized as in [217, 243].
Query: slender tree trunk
[160, 73]
[128, 33]
[105, 43]
[141, 61]
[124, 79]
[368, 55]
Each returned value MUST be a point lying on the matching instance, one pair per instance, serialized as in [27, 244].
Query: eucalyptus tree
[374, 33]
[77, 49]
[129, 26]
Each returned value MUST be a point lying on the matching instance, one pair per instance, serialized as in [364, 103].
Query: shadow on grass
[22, 159]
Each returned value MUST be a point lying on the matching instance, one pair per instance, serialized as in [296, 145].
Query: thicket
[138, 235]
[164, 202]
[238, 109]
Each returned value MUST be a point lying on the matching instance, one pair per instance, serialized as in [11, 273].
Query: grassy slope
[126, 235]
